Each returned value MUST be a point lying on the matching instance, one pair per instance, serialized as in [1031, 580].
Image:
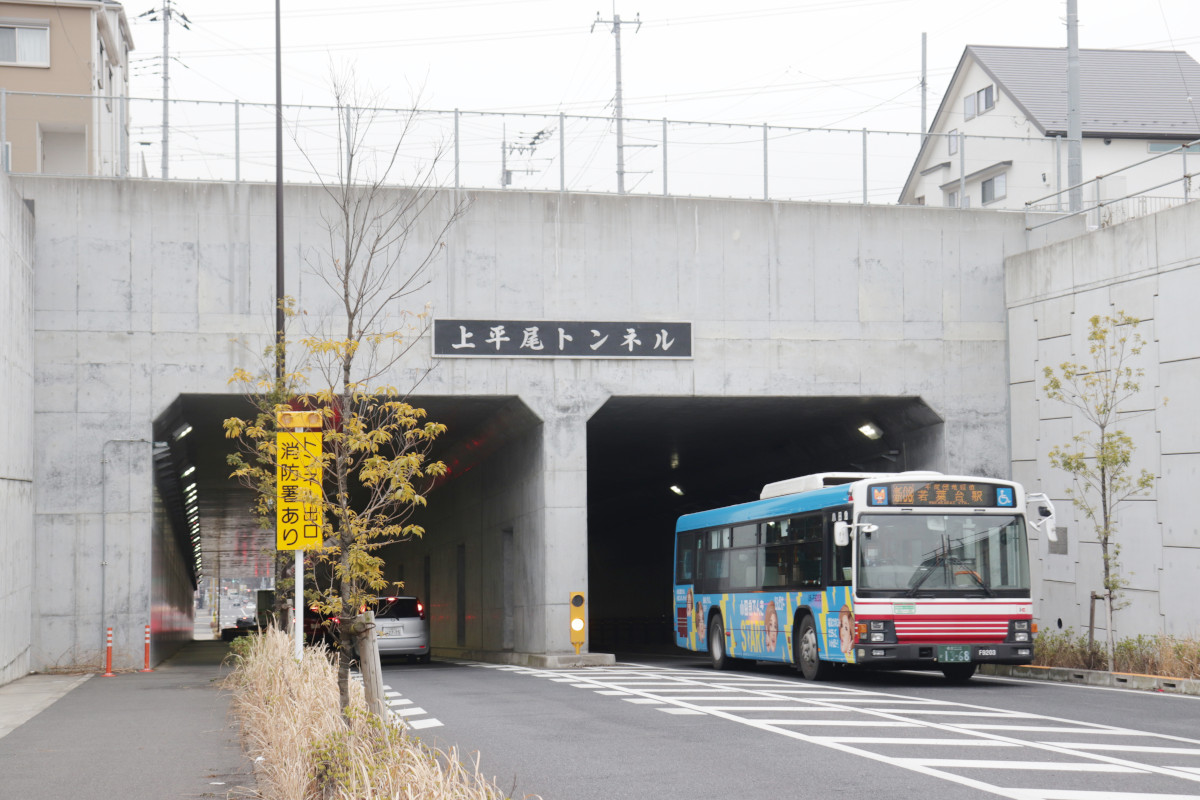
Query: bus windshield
[923, 555]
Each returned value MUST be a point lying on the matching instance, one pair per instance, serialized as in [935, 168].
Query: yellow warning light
[299, 419]
[578, 623]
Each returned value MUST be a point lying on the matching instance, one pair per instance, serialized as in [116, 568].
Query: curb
[1094, 677]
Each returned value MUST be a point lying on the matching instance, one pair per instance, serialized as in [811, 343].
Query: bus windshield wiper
[944, 560]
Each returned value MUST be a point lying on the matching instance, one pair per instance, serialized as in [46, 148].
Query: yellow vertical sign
[298, 511]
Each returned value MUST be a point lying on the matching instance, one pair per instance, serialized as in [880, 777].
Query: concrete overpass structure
[130, 303]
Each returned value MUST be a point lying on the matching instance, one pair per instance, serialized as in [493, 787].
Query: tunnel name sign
[298, 512]
[506, 338]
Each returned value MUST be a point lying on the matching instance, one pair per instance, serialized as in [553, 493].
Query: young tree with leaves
[1099, 459]
[383, 241]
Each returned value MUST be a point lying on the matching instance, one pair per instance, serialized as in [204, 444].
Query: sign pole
[298, 497]
[299, 614]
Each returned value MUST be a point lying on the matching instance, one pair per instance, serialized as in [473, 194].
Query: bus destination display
[942, 493]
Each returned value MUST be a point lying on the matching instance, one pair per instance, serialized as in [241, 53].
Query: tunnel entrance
[651, 460]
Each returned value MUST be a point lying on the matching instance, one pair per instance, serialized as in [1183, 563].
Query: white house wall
[1039, 163]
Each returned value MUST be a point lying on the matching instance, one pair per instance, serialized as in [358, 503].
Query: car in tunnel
[401, 628]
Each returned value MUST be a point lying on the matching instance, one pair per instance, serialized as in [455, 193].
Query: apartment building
[64, 74]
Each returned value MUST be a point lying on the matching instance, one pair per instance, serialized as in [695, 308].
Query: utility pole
[1074, 123]
[166, 12]
[924, 87]
[619, 110]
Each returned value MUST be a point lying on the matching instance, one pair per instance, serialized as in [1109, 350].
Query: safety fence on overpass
[214, 140]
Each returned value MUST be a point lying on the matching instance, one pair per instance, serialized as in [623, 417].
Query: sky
[843, 65]
[812, 63]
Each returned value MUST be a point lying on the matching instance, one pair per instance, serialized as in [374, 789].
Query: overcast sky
[813, 63]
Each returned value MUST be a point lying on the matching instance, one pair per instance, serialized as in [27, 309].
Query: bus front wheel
[716, 645]
[808, 653]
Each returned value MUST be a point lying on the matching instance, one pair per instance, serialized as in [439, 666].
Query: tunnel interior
[714, 451]
[651, 460]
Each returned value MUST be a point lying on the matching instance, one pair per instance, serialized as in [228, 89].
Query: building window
[27, 46]
[1166, 147]
[979, 102]
[952, 141]
[995, 188]
[952, 199]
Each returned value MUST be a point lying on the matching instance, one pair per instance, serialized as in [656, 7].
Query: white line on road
[1054, 766]
[419, 724]
[409, 712]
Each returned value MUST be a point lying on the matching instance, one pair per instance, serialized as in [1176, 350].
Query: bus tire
[808, 652]
[958, 673]
[716, 645]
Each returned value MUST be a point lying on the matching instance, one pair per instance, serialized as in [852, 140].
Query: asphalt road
[671, 727]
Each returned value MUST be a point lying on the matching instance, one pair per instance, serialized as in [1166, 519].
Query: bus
[911, 570]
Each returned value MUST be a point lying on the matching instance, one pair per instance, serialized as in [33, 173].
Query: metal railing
[1102, 212]
[216, 140]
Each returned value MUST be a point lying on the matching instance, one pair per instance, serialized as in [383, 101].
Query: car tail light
[421, 610]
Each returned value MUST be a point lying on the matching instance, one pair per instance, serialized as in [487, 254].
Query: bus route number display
[942, 493]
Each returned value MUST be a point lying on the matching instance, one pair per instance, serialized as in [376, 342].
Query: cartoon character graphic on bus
[846, 630]
[771, 623]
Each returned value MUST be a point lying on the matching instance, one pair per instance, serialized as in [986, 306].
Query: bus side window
[685, 565]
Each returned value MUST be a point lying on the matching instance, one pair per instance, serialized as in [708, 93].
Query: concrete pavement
[136, 736]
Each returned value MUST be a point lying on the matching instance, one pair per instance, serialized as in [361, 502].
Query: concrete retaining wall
[143, 288]
[17, 591]
[1148, 268]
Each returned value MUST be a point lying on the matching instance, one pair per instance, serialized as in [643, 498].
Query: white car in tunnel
[401, 628]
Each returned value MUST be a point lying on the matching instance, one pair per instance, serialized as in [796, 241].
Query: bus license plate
[954, 653]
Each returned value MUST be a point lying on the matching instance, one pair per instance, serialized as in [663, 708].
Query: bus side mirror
[1046, 513]
[841, 533]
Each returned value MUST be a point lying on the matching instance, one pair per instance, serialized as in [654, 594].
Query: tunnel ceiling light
[674, 460]
[677, 490]
[870, 431]
[182, 431]
[191, 487]
[187, 472]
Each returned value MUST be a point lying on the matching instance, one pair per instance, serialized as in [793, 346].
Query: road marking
[914, 740]
[963, 763]
[421, 724]
[1049, 729]
[1069, 794]
[399, 702]
[409, 712]
[612, 692]
[1130, 748]
[686, 691]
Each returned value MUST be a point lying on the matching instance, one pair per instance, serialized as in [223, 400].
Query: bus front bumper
[934, 656]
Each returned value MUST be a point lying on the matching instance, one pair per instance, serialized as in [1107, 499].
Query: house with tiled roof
[999, 137]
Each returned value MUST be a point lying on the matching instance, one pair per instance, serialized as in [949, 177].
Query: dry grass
[1168, 656]
[304, 749]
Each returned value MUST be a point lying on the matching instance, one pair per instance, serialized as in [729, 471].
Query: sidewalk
[136, 736]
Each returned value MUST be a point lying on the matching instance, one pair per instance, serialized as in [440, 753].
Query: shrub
[306, 749]
[1159, 654]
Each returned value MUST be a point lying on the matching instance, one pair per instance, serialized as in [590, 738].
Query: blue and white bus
[905, 570]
